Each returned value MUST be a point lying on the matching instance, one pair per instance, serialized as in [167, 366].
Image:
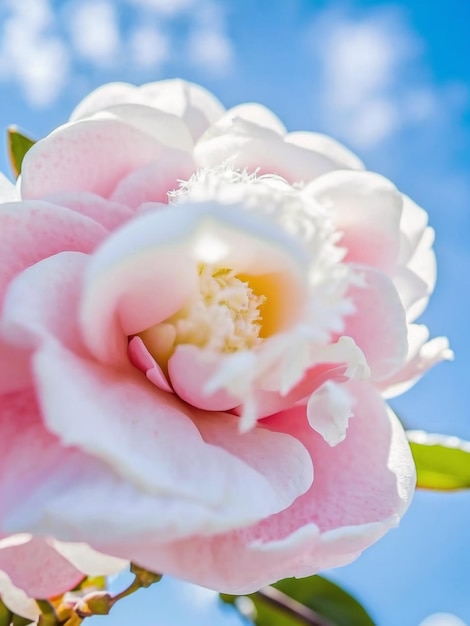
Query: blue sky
[389, 79]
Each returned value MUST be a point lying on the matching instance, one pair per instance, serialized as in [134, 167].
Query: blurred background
[389, 79]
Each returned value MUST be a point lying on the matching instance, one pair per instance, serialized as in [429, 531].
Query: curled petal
[158, 255]
[422, 355]
[328, 411]
[99, 503]
[362, 487]
[135, 429]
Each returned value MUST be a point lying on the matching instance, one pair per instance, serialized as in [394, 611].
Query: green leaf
[20, 621]
[5, 615]
[260, 611]
[18, 146]
[296, 602]
[327, 599]
[442, 463]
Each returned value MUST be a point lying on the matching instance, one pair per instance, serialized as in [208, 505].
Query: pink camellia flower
[192, 373]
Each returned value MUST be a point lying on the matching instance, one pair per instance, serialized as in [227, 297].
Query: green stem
[133, 587]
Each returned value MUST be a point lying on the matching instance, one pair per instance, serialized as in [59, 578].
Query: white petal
[335, 151]
[328, 411]
[166, 128]
[103, 97]
[8, 191]
[422, 355]
[87, 560]
[16, 599]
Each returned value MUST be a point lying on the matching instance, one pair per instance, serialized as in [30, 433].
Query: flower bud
[95, 603]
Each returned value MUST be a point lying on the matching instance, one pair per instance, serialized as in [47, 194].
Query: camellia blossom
[201, 316]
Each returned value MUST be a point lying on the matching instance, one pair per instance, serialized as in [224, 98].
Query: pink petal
[94, 155]
[153, 182]
[151, 439]
[378, 325]
[190, 369]
[65, 493]
[141, 358]
[367, 209]
[109, 213]
[38, 569]
[17, 600]
[42, 302]
[361, 488]
[15, 371]
[31, 231]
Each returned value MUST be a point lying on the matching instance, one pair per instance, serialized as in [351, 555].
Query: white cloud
[42, 47]
[442, 619]
[30, 54]
[165, 7]
[94, 31]
[372, 81]
[211, 50]
[37, 14]
[149, 48]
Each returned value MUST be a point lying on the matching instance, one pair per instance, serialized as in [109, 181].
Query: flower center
[224, 316]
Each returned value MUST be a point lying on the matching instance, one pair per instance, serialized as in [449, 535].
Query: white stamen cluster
[224, 316]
